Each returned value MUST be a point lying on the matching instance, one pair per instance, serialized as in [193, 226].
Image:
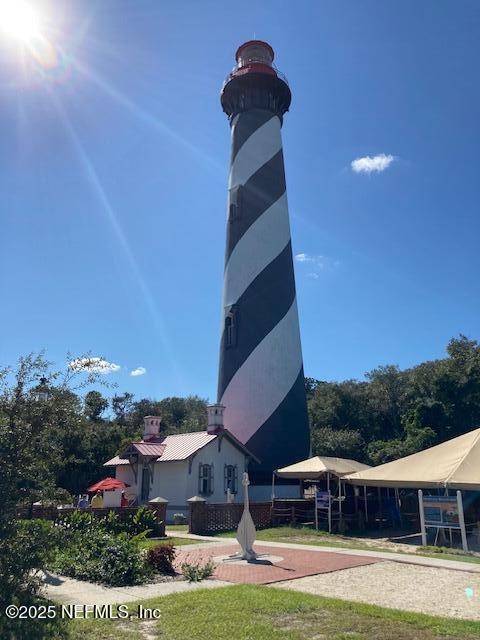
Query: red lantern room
[254, 56]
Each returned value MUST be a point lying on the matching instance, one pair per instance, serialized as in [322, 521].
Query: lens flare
[19, 20]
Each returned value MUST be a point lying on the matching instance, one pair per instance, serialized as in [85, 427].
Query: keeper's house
[177, 467]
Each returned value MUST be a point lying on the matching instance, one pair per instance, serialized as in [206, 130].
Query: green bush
[161, 557]
[143, 520]
[25, 551]
[195, 572]
[98, 556]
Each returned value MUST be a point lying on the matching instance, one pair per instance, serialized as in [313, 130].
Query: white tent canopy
[314, 468]
[453, 464]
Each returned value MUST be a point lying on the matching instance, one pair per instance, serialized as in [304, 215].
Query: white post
[422, 517]
[273, 486]
[316, 508]
[329, 504]
[461, 521]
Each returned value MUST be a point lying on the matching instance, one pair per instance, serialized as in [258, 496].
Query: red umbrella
[107, 484]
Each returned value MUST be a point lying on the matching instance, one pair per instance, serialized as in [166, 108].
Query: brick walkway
[295, 563]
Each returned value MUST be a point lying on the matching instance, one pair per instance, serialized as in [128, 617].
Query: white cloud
[369, 164]
[320, 262]
[94, 364]
[139, 371]
[317, 264]
[301, 257]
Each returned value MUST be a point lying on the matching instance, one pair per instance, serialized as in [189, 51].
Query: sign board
[442, 512]
[323, 499]
[323, 502]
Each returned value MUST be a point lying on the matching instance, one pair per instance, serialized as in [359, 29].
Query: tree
[31, 456]
[121, 405]
[341, 443]
[95, 404]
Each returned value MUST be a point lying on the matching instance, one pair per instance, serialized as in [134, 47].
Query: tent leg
[329, 504]
[397, 498]
[366, 505]
[273, 486]
[340, 514]
[380, 506]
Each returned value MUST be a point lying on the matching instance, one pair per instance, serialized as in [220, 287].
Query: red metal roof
[149, 449]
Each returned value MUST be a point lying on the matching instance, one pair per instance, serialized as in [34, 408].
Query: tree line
[67, 437]
[394, 413]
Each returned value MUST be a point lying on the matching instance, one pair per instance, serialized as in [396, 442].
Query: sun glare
[19, 20]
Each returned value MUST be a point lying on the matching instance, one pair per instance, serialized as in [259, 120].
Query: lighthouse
[261, 379]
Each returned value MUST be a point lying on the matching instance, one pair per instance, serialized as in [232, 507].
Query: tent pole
[329, 504]
[380, 505]
[461, 521]
[366, 506]
[340, 515]
[397, 497]
[273, 486]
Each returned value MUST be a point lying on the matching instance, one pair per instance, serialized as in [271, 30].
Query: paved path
[456, 565]
[288, 563]
[71, 591]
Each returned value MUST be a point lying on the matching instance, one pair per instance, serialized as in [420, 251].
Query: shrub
[142, 520]
[99, 556]
[26, 550]
[195, 572]
[161, 557]
[78, 521]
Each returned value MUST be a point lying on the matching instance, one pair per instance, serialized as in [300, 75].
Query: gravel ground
[441, 592]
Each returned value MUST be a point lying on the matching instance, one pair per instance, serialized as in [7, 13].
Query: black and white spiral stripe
[261, 379]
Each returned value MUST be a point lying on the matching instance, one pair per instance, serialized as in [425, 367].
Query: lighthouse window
[230, 329]
[230, 478]
[205, 479]
[235, 203]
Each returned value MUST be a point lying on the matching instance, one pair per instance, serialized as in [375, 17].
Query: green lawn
[177, 542]
[307, 535]
[171, 528]
[247, 612]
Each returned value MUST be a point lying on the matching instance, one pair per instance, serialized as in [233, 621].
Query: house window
[205, 479]
[231, 328]
[230, 478]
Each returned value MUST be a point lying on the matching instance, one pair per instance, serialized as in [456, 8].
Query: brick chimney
[215, 418]
[151, 428]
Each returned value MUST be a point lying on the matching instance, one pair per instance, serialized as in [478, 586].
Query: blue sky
[113, 182]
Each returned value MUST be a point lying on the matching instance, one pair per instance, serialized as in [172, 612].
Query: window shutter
[210, 487]
[235, 479]
[225, 478]
[200, 474]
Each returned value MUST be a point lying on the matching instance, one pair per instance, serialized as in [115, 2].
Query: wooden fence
[205, 518]
[124, 513]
